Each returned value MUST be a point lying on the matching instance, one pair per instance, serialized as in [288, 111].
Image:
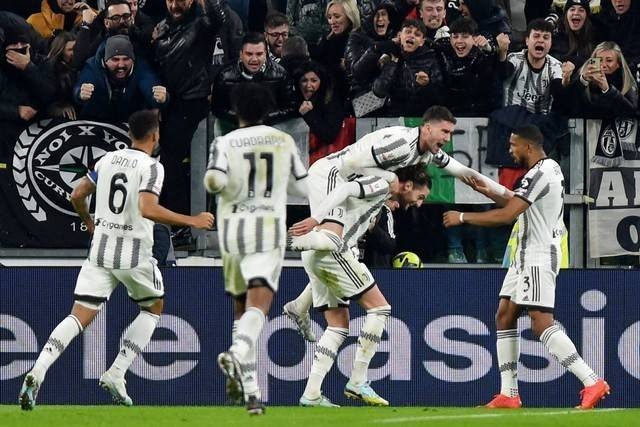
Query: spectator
[62, 75]
[228, 42]
[109, 87]
[575, 39]
[609, 89]
[413, 80]
[433, 13]
[24, 90]
[117, 18]
[365, 47]
[254, 66]
[317, 106]
[343, 17]
[532, 78]
[468, 71]
[406, 10]
[621, 24]
[57, 15]
[307, 19]
[379, 241]
[276, 32]
[184, 46]
[294, 53]
[490, 18]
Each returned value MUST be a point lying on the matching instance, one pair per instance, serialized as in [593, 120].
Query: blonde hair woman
[610, 88]
[343, 17]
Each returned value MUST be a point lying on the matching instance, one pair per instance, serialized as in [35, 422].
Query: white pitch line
[493, 415]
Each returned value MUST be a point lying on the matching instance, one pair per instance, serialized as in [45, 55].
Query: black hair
[295, 45]
[251, 102]
[415, 24]
[531, 133]
[463, 25]
[254, 38]
[275, 19]
[142, 123]
[540, 24]
[438, 113]
[415, 173]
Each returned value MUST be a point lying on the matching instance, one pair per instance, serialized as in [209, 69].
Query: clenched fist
[86, 91]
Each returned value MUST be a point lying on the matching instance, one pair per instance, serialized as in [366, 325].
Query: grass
[280, 416]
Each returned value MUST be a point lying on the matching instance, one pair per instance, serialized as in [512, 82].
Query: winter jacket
[491, 18]
[307, 20]
[111, 102]
[51, 19]
[330, 52]
[397, 80]
[90, 39]
[184, 49]
[600, 105]
[624, 30]
[274, 77]
[470, 82]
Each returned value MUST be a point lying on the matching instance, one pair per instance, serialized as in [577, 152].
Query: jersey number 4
[252, 158]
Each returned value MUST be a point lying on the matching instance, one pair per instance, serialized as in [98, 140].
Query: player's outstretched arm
[79, 201]
[496, 192]
[151, 209]
[491, 218]
[481, 186]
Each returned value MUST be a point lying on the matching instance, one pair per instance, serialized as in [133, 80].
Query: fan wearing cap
[114, 84]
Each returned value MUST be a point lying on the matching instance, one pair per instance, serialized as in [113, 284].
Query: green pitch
[281, 416]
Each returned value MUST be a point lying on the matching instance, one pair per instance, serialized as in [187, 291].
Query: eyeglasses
[119, 18]
[275, 35]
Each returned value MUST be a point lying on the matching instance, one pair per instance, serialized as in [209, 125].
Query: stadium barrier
[439, 349]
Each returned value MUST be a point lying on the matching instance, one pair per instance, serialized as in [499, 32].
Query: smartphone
[596, 60]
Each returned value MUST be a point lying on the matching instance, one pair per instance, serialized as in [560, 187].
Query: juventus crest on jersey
[258, 161]
[122, 236]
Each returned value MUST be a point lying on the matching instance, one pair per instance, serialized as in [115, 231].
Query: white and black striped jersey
[540, 228]
[259, 161]
[528, 88]
[122, 236]
[389, 148]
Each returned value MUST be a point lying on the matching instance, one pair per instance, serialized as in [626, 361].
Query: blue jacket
[104, 104]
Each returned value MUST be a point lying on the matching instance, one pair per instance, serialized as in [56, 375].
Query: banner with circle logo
[49, 159]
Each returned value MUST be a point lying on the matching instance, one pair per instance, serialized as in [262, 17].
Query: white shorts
[535, 286]
[324, 177]
[240, 269]
[336, 278]
[95, 284]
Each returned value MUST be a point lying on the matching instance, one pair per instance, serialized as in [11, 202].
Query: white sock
[325, 354]
[58, 341]
[249, 376]
[561, 347]
[135, 340]
[304, 300]
[368, 342]
[508, 349]
[248, 330]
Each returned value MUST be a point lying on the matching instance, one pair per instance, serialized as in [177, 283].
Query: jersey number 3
[252, 158]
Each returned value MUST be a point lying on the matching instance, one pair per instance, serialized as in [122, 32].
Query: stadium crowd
[324, 62]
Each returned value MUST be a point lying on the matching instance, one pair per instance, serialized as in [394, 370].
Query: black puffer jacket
[274, 77]
[397, 80]
[330, 52]
[184, 48]
[624, 30]
[363, 50]
[470, 82]
[491, 18]
[598, 105]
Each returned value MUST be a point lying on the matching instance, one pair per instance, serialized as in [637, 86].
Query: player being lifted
[376, 154]
[127, 184]
[252, 168]
[337, 276]
[538, 206]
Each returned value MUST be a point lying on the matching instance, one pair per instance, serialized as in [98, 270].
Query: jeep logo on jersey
[50, 159]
